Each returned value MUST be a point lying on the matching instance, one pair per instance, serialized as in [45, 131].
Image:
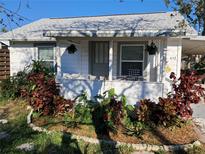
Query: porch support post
[58, 62]
[173, 62]
[110, 60]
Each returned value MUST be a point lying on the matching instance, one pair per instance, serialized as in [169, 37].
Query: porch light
[151, 49]
[71, 49]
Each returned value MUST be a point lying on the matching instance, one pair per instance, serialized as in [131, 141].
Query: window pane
[101, 52]
[45, 53]
[96, 54]
[132, 68]
[49, 64]
[106, 48]
[132, 52]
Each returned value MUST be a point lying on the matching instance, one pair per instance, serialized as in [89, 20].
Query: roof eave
[114, 33]
[43, 39]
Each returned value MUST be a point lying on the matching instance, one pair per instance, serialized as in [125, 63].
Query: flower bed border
[136, 147]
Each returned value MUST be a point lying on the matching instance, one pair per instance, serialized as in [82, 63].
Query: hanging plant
[71, 49]
[151, 49]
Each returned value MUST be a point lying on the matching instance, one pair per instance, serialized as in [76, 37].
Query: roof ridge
[158, 12]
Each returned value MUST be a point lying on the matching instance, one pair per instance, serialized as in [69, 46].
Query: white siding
[21, 55]
[70, 63]
[133, 90]
[74, 63]
[78, 63]
[172, 59]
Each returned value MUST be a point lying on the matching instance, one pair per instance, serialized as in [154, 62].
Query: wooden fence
[4, 63]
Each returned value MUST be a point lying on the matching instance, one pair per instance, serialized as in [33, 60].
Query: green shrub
[162, 113]
[18, 85]
[37, 84]
[107, 114]
[39, 67]
[83, 114]
[12, 86]
[134, 128]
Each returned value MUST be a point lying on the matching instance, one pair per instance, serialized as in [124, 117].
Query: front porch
[125, 59]
[93, 70]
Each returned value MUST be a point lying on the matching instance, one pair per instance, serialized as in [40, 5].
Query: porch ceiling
[193, 46]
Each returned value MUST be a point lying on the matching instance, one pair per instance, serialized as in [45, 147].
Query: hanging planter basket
[71, 49]
[151, 49]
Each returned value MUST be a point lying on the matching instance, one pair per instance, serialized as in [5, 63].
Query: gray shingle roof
[135, 25]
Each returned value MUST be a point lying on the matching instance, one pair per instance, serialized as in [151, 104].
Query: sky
[37, 9]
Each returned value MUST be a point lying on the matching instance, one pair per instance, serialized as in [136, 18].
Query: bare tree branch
[9, 17]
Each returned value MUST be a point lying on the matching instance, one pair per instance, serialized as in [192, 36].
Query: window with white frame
[132, 60]
[46, 54]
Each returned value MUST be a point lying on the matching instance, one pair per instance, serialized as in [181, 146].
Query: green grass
[59, 142]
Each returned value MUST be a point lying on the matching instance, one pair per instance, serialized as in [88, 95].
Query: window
[46, 54]
[132, 60]
[101, 52]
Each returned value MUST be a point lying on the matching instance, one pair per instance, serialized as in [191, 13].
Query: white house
[111, 52]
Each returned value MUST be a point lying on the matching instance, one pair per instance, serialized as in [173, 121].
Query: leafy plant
[63, 105]
[162, 113]
[143, 110]
[186, 92]
[134, 128]
[42, 97]
[18, 85]
[83, 114]
[165, 113]
[37, 84]
[110, 112]
[114, 109]
[40, 66]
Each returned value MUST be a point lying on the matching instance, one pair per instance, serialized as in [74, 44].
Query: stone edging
[137, 147]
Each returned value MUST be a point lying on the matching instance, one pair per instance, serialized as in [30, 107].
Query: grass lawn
[61, 142]
[20, 133]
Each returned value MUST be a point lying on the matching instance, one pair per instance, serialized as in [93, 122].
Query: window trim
[54, 54]
[142, 61]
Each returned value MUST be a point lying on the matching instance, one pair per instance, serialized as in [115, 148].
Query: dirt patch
[13, 109]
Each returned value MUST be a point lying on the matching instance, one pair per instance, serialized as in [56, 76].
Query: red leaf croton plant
[186, 91]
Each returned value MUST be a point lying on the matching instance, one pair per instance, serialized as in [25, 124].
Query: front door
[99, 58]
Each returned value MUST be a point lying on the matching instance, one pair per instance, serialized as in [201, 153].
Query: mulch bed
[156, 136]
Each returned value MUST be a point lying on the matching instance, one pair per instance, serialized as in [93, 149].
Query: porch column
[58, 62]
[173, 62]
[110, 60]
